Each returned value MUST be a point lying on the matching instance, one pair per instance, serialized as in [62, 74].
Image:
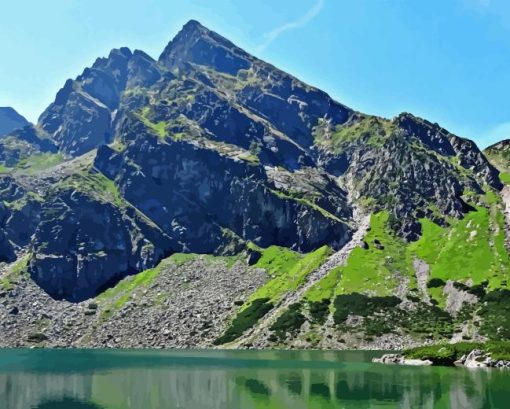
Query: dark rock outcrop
[83, 245]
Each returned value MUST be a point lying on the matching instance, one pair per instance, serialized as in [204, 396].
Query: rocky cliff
[208, 150]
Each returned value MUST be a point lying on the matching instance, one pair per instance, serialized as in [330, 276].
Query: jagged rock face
[10, 120]
[194, 193]
[441, 141]
[83, 245]
[289, 105]
[6, 249]
[81, 117]
[19, 217]
[413, 169]
[195, 43]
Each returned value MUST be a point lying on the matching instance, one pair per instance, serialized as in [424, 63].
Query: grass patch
[38, 162]
[287, 269]
[366, 269]
[305, 202]
[114, 298]
[117, 296]
[504, 177]
[325, 288]
[372, 129]
[93, 183]
[15, 272]
[159, 128]
[472, 248]
[4, 169]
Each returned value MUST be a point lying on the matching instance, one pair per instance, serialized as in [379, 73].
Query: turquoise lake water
[106, 379]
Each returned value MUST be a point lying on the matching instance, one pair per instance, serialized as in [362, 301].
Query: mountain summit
[212, 194]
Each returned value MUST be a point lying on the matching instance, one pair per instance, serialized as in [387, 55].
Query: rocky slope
[209, 150]
[499, 155]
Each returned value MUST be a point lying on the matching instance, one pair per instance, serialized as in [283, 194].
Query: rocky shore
[477, 358]
[398, 359]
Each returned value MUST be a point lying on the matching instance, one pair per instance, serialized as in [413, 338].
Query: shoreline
[493, 354]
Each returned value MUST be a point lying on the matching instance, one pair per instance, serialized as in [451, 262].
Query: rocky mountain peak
[199, 45]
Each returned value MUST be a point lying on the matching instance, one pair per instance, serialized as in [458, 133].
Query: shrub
[245, 319]
[290, 321]
[37, 337]
[435, 283]
[319, 310]
[359, 304]
[496, 315]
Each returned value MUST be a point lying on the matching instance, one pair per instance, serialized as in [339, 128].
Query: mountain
[208, 197]
[10, 120]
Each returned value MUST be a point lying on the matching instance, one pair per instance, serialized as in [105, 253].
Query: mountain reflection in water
[76, 379]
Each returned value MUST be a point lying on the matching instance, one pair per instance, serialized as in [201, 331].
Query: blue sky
[445, 60]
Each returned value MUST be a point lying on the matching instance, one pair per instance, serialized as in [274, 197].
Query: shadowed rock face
[90, 246]
[211, 148]
[193, 194]
[10, 120]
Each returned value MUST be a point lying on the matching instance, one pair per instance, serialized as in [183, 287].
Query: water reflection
[219, 379]
[67, 403]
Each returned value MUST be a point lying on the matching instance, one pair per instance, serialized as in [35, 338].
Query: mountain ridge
[210, 150]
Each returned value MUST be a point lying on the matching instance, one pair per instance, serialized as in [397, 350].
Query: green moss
[245, 319]
[4, 169]
[15, 271]
[94, 183]
[373, 130]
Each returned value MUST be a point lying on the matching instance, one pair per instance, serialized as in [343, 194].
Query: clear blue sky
[445, 60]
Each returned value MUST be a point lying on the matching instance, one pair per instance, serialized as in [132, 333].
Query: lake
[122, 379]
